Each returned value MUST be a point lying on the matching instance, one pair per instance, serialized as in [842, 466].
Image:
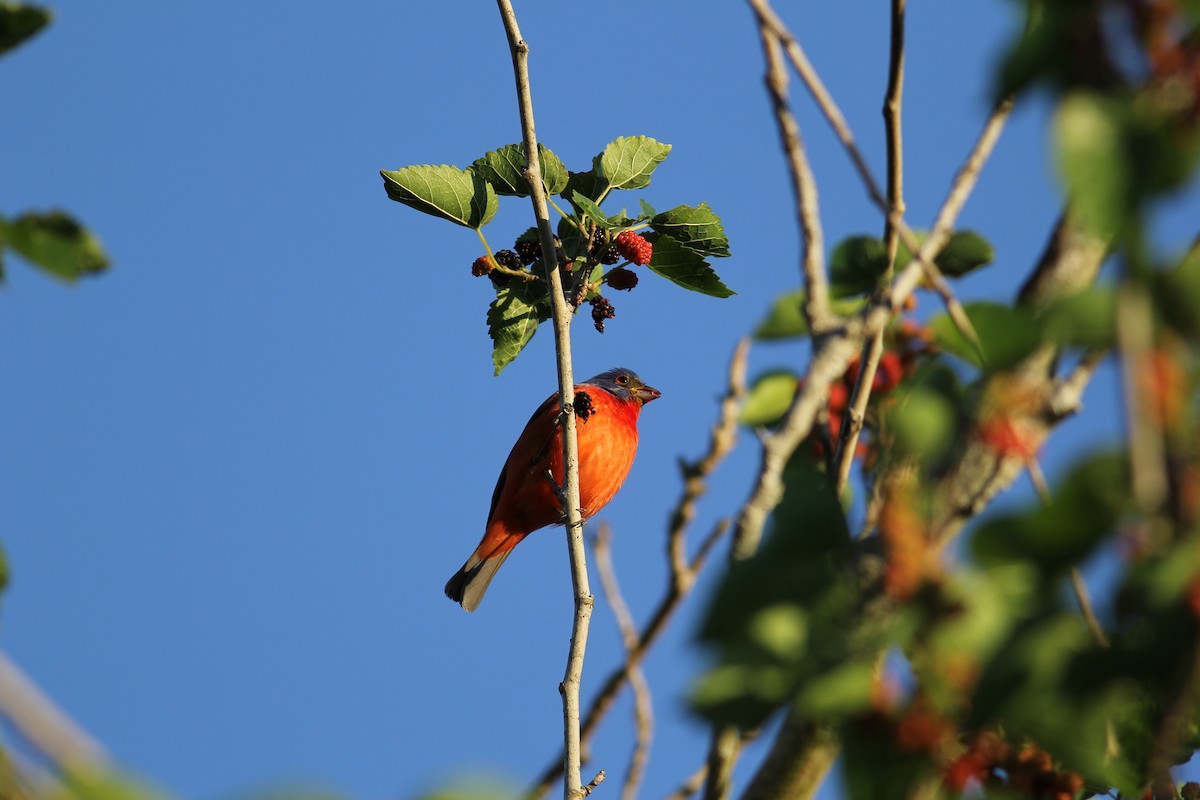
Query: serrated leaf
[647, 209]
[513, 318]
[856, 265]
[769, 398]
[629, 160]
[966, 251]
[686, 268]
[458, 195]
[504, 169]
[697, 229]
[19, 22]
[57, 243]
[785, 319]
[588, 184]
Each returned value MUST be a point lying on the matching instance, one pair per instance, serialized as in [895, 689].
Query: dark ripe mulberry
[610, 255]
[634, 247]
[602, 310]
[481, 266]
[597, 241]
[507, 258]
[583, 405]
[500, 279]
[622, 279]
[529, 251]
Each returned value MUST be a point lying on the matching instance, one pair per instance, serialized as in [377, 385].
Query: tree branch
[573, 786]
[44, 725]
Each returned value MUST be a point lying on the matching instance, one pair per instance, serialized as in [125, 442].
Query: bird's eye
[623, 380]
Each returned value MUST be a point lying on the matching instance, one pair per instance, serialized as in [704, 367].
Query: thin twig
[691, 785]
[643, 707]
[1078, 584]
[584, 791]
[1135, 339]
[573, 675]
[721, 441]
[804, 189]
[869, 361]
[616, 679]
[45, 725]
[723, 754]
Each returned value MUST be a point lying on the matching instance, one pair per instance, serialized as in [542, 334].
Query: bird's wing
[528, 434]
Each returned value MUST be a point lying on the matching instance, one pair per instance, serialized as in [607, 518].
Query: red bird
[524, 500]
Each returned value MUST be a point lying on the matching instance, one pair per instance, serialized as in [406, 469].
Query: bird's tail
[467, 585]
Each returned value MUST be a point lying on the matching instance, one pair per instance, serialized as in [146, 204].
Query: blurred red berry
[481, 266]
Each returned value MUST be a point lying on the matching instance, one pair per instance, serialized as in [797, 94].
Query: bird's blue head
[624, 384]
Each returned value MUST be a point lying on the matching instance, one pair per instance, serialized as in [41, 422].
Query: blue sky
[238, 469]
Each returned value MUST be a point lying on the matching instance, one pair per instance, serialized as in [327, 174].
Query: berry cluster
[601, 310]
[1028, 770]
[529, 250]
[634, 247]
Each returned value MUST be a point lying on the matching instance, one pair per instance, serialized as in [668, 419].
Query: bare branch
[45, 725]
[721, 441]
[723, 754]
[804, 188]
[691, 785]
[566, 388]
[643, 708]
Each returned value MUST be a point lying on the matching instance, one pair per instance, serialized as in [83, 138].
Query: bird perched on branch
[607, 408]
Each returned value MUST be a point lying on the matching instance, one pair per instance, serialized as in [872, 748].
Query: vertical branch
[869, 361]
[569, 688]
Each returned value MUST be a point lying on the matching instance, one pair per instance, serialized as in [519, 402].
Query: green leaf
[647, 209]
[628, 162]
[1007, 334]
[785, 319]
[459, 195]
[856, 265]
[686, 268]
[1177, 295]
[1086, 319]
[1089, 137]
[590, 209]
[697, 229]
[588, 184]
[1083, 508]
[513, 319]
[769, 398]
[58, 244]
[966, 251]
[18, 22]
[505, 170]
[923, 417]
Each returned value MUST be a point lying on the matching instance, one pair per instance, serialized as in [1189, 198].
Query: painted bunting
[524, 500]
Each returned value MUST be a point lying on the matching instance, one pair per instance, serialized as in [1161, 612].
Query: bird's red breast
[524, 500]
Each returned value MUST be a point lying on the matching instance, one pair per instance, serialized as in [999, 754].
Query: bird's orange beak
[646, 393]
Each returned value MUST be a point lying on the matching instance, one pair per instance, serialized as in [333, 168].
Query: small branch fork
[573, 787]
